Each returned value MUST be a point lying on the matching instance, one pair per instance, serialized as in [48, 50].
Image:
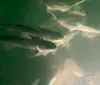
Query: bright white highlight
[62, 7]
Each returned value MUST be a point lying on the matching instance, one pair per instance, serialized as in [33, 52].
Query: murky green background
[19, 69]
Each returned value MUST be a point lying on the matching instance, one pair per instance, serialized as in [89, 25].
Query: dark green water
[18, 68]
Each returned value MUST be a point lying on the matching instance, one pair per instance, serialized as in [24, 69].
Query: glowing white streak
[63, 8]
[58, 7]
[78, 27]
[66, 25]
[78, 3]
[78, 13]
[86, 30]
[54, 17]
[45, 52]
[52, 81]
